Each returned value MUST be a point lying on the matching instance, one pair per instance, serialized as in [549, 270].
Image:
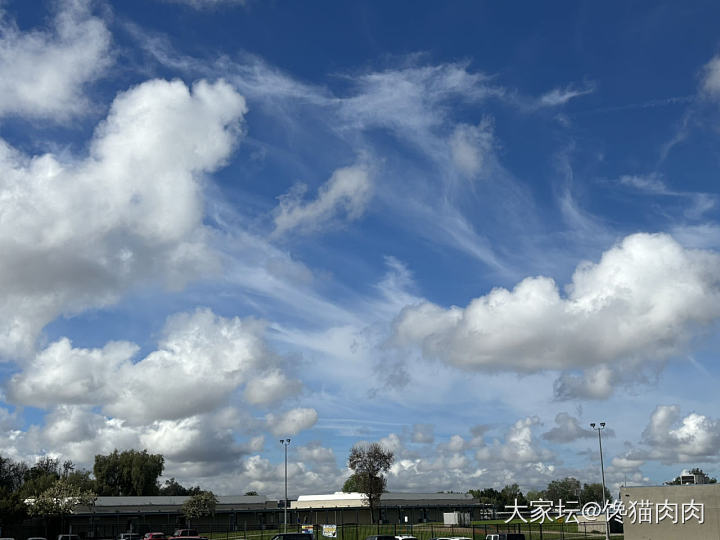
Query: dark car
[506, 536]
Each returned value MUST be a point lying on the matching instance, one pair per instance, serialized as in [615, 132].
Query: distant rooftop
[342, 496]
[168, 500]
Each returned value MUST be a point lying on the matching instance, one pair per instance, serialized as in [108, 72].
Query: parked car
[380, 537]
[128, 536]
[68, 537]
[506, 536]
[292, 536]
[155, 536]
[7, 538]
[405, 537]
[187, 534]
[36, 538]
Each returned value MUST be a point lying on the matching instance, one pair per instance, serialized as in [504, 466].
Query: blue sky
[465, 230]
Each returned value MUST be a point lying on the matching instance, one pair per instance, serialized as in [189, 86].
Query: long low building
[340, 507]
[111, 516]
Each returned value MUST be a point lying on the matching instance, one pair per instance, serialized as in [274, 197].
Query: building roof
[340, 499]
[342, 496]
[167, 500]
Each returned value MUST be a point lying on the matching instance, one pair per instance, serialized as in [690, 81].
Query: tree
[369, 463]
[535, 495]
[594, 493]
[172, 487]
[509, 494]
[567, 489]
[59, 500]
[249, 493]
[352, 484]
[40, 477]
[200, 504]
[487, 496]
[128, 473]
[12, 474]
[12, 507]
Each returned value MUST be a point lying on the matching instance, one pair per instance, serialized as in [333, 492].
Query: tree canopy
[369, 463]
[173, 487]
[199, 505]
[128, 473]
[60, 499]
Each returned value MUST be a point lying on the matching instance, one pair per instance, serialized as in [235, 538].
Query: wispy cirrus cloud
[560, 96]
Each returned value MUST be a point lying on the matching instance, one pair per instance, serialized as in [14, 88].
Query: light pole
[285, 443]
[602, 471]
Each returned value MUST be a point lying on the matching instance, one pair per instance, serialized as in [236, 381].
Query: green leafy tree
[509, 494]
[12, 507]
[369, 464]
[59, 501]
[172, 487]
[12, 474]
[128, 473]
[487, 496]
[40, 477]
[535, 495]
[352, 484]
[567, 489]
[199, 505]
[594, 493]
[249, 493]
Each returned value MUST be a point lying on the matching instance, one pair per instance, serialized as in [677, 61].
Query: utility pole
[602, 472]
[285, 443]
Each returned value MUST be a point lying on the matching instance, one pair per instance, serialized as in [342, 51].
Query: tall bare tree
[370, 462]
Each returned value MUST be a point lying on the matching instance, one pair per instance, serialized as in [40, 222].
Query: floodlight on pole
[602, 472]
[285, 443]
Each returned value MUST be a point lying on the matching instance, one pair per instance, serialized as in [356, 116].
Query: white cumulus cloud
[641, 302]
[43, 72]
[76, 233]
[202, 359]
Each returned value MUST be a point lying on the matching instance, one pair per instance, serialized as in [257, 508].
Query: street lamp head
[288, 440]
[592, 425]
[602, 424]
